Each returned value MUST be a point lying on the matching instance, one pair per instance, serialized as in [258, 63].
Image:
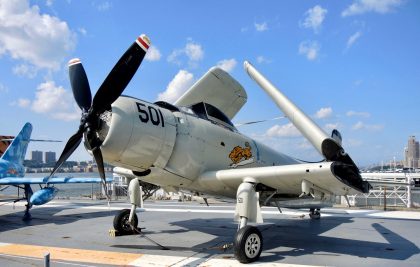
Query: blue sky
[351, 65]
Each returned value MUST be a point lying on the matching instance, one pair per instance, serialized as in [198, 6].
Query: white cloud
[37, 39]
[82, 31]
[352, 113]
[227, 64]
[174, 56]
[379, 6]
[182, 81]
[67, 116]
[314, 18]
[261, 27]
[331, 126]
[324, 113]
[262, 59]
[305, 145]
[193, 51]
[286, 130]
[153, 54]
[370, 127]
[49, 2]
[348, 143]
[22, 102]
[359, 125]
[310, 49]
[55, 101]
[103, 6]
[3, 88]
[357, 82]
[25, 70]
[352, 39]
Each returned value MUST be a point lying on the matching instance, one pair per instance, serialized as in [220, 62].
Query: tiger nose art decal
[241, 156]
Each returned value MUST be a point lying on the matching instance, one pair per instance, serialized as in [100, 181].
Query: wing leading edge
[286, 179]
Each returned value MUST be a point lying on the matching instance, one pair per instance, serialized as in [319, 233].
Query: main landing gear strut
[248, 243]
[28, 193]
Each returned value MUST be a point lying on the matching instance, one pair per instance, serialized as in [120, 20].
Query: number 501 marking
[149, 113]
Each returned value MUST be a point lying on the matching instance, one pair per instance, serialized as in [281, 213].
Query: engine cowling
[137, 134]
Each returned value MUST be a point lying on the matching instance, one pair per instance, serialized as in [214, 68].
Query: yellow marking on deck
[70, 254]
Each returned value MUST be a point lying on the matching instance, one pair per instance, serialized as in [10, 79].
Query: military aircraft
[12, 173]
[193, 145]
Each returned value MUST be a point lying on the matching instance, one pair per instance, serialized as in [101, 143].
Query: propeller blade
[80, 84]
[97, 154]
[120, 75]
[71, 145]
[336, 135]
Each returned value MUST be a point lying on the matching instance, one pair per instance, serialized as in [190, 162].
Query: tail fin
[17, 150]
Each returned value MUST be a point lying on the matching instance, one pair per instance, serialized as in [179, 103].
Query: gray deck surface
[196, 232]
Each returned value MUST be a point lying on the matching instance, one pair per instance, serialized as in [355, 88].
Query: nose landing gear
[126, 221]
[122, 222]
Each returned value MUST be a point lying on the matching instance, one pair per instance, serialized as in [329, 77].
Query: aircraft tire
[248, 244]
[315, 214]
[121, 223]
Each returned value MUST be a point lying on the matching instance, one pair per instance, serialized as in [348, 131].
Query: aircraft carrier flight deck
[77, 233]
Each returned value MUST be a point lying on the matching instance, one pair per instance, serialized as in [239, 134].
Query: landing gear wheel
[248, 244]
[121, 223]
[314, 214]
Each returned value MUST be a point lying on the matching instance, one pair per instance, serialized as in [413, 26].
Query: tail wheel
[122, 224]
[248, 244]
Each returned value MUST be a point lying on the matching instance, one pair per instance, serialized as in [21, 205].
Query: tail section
[17, 150]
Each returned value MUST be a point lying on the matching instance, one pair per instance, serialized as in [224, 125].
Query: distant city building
[50, 157]
[412, 153]
[37, 156]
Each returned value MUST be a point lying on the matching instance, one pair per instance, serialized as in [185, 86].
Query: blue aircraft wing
[54, 180]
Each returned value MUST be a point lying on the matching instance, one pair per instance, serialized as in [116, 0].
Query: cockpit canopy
[204, 111]
[211, 113]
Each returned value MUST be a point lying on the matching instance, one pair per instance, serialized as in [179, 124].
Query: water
[65, 190]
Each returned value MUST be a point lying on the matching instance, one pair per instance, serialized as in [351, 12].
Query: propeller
[112, 88]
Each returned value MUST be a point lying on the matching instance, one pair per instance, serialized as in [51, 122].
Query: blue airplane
[12, 173]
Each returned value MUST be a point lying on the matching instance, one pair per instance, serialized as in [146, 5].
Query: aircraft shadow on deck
[304, 237]
[299, 236]
[47, 215]
[295, 236]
